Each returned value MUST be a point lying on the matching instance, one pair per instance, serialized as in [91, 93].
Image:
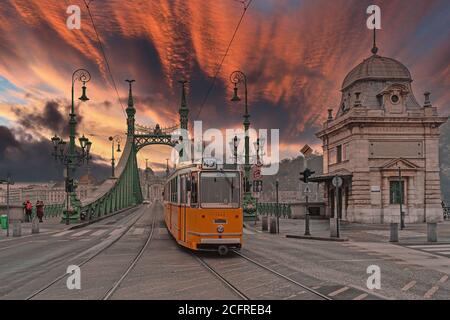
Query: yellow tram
[202, 207]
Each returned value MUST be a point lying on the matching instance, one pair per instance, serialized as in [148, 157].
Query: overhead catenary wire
[104, 55]
[246, 6]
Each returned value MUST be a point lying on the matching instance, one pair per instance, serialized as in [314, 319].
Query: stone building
[378, 129]
[50, 193]
[2, 195]
[152, 184]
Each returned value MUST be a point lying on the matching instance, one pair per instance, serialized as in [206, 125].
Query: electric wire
[246, 6]
[104, 55]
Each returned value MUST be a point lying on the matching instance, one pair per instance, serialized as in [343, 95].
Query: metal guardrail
[270, 209]
[50, 211]
[446, 211]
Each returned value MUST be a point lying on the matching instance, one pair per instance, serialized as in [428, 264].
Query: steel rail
[315, 292]
[50, 284]
[221, 278]
[133, 263]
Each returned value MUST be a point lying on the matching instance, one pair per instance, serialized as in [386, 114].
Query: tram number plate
[220, 221]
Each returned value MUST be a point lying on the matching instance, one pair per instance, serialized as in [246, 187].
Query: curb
[84, 224]
[402, 244]
[74, 227]
[316, 238]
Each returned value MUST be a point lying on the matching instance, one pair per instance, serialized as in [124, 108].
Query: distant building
[2, 195]
[291, 188]
[380, 127]
[50, 193]
[152, 184]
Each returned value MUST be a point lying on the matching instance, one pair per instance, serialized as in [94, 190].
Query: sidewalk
[412, 234]
[50, 225]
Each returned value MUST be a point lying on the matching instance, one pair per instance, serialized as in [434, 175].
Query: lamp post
[234, 146]
[257, 180]
[8, 182]
[249, 207]
[118, 140]
[167, 168]
[147, 185]
[278, 206]
[71, 158]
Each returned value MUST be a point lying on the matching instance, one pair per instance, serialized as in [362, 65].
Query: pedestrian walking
[28, 206]
[40, 210]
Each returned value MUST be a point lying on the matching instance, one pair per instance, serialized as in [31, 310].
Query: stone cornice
[351, 120]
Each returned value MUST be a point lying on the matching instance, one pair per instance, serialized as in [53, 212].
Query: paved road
[408, 271]
[167, 271]
[28, 263]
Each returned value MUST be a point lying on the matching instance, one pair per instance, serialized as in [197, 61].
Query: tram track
[307, 288]
[227, 283]
[101, 250]
[242, 292]
[117, 284]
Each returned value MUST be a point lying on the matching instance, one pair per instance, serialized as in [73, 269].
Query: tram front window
[219, 190]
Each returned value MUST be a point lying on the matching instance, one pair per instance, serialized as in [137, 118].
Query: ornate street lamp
[118, 140]
[71, 157]
[249, 204]
[234, 146]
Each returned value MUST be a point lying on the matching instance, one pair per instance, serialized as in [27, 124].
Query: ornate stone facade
[380, 127]
[152, 185]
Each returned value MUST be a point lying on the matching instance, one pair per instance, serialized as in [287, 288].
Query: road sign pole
[307, 233]
[278, 207]
[337, 183]
[336, 211]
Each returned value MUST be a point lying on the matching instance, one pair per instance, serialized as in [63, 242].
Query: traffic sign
[257, 173]
[337, 181]
[307, 189]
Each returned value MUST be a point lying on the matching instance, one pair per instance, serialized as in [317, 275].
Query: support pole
[307, 232]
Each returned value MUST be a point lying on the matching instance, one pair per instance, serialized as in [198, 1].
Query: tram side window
[194, 190]
[174, 193]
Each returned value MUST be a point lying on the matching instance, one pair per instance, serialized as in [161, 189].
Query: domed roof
[378, 68]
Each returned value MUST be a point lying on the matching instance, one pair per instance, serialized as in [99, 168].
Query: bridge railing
[50, 210]
[117, 193]
[445, 210]
[270, 209]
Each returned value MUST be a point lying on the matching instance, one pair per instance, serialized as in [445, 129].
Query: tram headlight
[220, 229]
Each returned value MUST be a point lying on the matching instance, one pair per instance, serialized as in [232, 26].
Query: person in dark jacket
[40, 210]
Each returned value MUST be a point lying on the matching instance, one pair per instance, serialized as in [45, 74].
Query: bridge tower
[183, 111]
[134, 169]
[131, 111]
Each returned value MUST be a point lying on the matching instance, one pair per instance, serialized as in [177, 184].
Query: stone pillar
[394, 232]
[273, 225]
[334, 233]
[35, 226]
[17, 228]
[431, 231]
[264, 223]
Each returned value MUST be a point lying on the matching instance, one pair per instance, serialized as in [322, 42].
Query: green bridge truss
[124, 190]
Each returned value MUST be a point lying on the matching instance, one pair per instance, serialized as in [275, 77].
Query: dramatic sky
[295, 54]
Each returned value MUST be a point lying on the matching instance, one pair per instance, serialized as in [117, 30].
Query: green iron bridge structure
[123, 191]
